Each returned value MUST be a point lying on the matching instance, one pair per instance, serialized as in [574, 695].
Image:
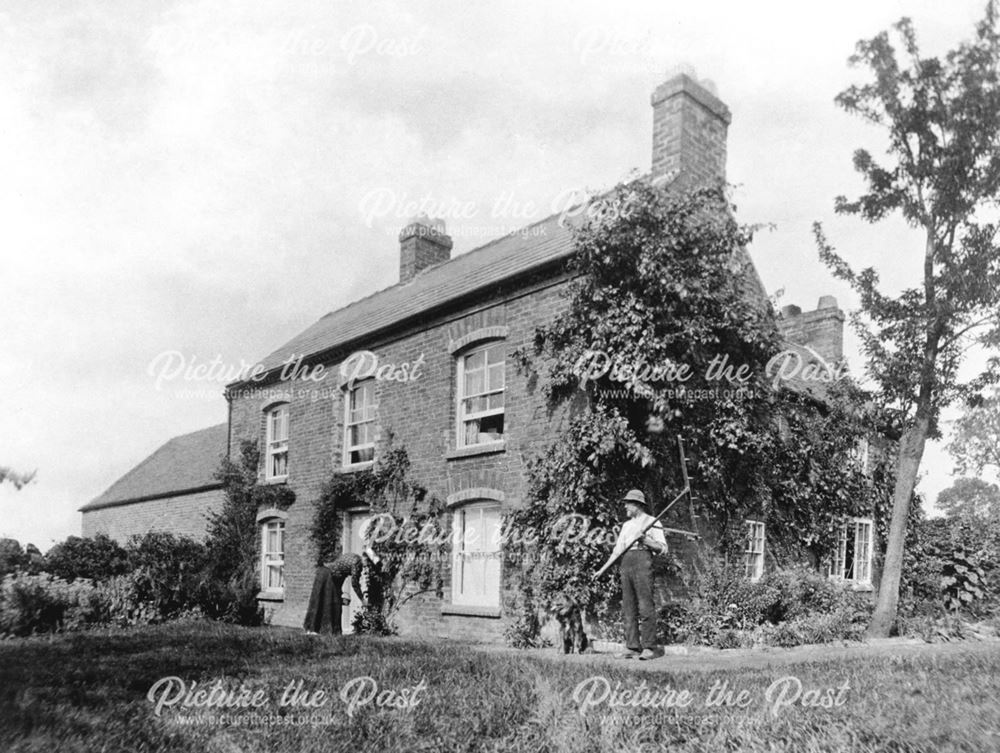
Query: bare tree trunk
[911, 450]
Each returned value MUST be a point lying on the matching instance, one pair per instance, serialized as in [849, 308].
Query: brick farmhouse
[438, 347]
[441, 339]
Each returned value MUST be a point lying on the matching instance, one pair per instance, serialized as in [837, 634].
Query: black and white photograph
[534, 377]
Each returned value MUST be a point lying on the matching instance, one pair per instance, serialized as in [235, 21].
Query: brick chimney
[689, 132]
[822, 329]
[422, 243]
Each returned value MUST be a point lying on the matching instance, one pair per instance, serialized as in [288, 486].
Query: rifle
[690, 534]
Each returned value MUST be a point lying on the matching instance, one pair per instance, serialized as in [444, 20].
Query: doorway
[354, 523]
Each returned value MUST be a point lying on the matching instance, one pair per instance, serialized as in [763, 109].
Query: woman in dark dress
[326, 601]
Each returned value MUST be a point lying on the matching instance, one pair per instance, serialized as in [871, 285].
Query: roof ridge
[156, 454]
[198, 431]
[142, 463]
[441, 264]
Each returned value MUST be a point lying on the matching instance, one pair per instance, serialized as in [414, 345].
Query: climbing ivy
[408, 534]
[661, 292]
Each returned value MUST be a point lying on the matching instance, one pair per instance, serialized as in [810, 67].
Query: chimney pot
[822, 329]
[422, 243]
[690, 124]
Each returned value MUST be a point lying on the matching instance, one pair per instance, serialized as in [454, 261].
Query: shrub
[933, 628]
[12, 557]
[962, 581]
[97, 558]
[784, 608]
[953, 566]
[233, 543]
[167, 576]
[42, 603]
[372, 620]
[525, 630]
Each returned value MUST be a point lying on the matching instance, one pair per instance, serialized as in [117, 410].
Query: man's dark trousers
[639, 611]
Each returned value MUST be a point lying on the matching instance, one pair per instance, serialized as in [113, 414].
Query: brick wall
[421, 417]
[183, 515]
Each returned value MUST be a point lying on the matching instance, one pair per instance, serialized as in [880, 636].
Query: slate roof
[526, 249]
[184, 464]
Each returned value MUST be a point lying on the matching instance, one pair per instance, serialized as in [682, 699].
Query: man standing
[639, 610]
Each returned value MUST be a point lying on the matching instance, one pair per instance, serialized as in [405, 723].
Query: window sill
[356, 467]
[486, 448]
[271, 596]
[470, 611]
[275, 481]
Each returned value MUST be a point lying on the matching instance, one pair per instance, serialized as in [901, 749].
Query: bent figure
[325, 603]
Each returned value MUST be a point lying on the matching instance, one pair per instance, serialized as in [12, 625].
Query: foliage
[659, 283]
[19, 480]
[407, 534]
[97, 558]
[970, 497]
[44, 603]
[341, 492]
[975, 442]
[934, 628]
[166, 577]
[962, 582]
[524, 630]
[941, 117]
[784, 608]
[372, 619]
[276, 496]
[156, 577]
[12, 557]
[942, 546]
[233, 541]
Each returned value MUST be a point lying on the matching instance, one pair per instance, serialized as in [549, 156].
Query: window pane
[475, 360]
[494, 353]
[474, 382]
[496, 377]
[279, 464]
[495, 401]
[476, 405]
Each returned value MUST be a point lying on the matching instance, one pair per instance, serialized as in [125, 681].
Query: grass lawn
[89, 691]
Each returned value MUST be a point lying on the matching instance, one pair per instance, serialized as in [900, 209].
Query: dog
[569, 615]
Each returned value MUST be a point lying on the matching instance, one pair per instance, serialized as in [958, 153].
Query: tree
[19, 480]
[233, 540]
[970, 498]
[942, 120]
[12, 557]
[975, 443]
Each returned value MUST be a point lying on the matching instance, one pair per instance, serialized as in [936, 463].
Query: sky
[197, 182]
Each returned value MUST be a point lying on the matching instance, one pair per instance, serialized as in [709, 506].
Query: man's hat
[637, 497]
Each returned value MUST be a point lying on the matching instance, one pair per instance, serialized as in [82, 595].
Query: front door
[353, 525]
